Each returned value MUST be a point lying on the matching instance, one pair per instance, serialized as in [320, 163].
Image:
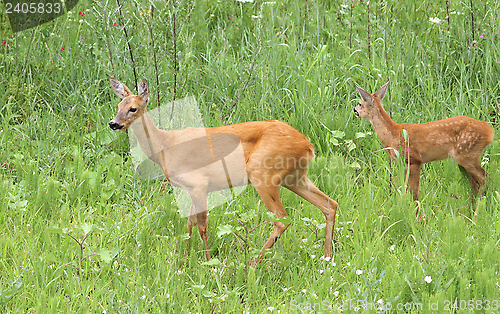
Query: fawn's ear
[120, 89]
[144, 90]
[365, 95]
[381, 92]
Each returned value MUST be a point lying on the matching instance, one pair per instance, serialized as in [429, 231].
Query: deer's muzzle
[356, 112]
[115, 126]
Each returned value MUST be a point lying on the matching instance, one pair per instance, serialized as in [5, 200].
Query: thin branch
[448, 13]
[265, 222]
[368, 13]
[254, 61]
[472, 19]
[148, 22]
[174, 35]
[350, 26]
[107, 38]
[122, 20]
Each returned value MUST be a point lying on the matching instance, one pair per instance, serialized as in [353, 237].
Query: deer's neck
[385, 127]
[151, 139]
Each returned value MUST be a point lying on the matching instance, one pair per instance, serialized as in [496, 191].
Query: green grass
[80, 233]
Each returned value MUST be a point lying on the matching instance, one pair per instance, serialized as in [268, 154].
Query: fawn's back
[450, 137]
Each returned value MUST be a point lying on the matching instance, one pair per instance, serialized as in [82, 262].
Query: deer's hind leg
[476, 174]
[268, 189]
[308, 191]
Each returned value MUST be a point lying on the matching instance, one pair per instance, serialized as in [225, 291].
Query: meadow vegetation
[80, 233]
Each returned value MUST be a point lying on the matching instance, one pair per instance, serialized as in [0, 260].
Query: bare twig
[122, 20]
[265, 222]
[368, 14]
[107, 38]
[257, 49]
[350, 26]
[472, 19]
[176, 66]
[148, 22]
[448, 13]
[174, 37]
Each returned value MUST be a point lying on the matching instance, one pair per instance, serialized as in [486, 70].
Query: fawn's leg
[414, 178]
[476, 175]
[307, 190]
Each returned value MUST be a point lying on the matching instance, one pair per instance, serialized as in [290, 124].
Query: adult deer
[274, 154]
[461, 138]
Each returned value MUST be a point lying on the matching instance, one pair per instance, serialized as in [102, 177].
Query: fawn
[274, 154]
[461, 138]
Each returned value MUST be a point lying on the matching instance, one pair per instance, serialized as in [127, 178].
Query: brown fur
[461, 138]
[274, 154]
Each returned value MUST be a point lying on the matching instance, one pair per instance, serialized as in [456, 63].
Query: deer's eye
[132, 109]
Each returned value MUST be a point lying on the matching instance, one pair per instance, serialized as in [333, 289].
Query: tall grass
[80, 233]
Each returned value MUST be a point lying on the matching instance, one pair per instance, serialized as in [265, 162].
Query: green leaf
[350, 145]
[7, 293]
[447, 285]
[216, 300]
[405, 134]
[321, 226]
[103, 138]
[198, 287]
[105, 255]
[54, 229]
[334, 141]
[114, 252]
[212, 262]
[338, 134]
[87, 228]
[355, 165]
[285, 220]
[224, 229]
[277, 257]
[249, 215]
[19, 205]
[396, 152]
[361, 134]
[207, 294]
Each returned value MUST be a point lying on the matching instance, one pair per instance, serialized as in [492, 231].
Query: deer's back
[269, 139]
[448, 137]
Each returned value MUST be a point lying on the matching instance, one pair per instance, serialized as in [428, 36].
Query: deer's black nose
[356, 112]
[115, 126]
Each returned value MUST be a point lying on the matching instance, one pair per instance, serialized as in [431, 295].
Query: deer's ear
[120, 89]
[144, 90]
[365, 95]
[381, 92]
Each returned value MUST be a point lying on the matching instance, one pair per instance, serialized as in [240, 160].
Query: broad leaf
[224, 229]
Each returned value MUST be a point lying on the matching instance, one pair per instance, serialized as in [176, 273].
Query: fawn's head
[368, 105]
[131, 107]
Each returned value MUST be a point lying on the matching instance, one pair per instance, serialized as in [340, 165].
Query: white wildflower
[435, 20]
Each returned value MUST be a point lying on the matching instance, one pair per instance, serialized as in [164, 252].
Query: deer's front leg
[414, 178]
[199, 210]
